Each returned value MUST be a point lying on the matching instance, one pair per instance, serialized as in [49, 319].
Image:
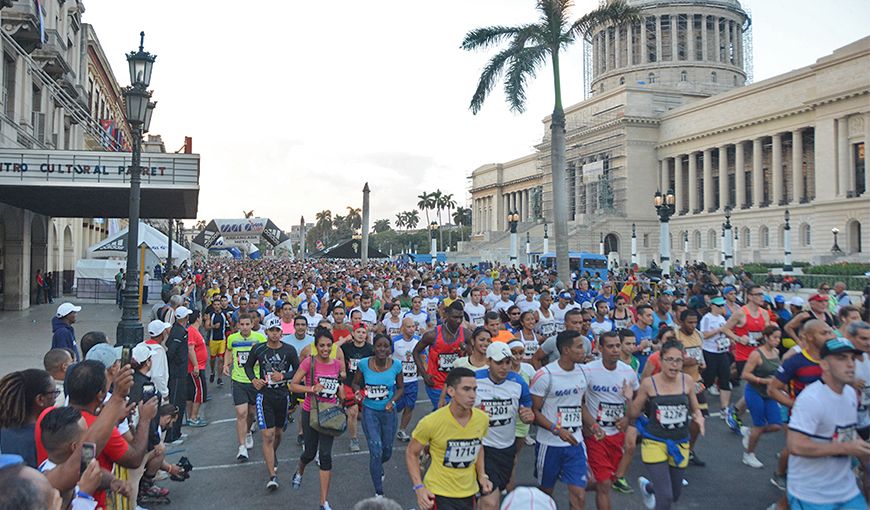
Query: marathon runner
[420, 317]
[528, 336]
[269, 366]
[403, 352]
[353, 352]
[475, 309]
[749, 329]
[239, 347]
[217, 325]
[765, 412]
[446, 343]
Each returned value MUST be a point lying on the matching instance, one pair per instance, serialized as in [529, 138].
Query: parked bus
[593, 263]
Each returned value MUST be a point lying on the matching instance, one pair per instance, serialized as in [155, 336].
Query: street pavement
[217, 479]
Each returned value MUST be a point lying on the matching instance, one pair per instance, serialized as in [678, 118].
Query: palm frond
[554, 16]
[481, 38]
[524, 65]
[488, 78]
[616, 12]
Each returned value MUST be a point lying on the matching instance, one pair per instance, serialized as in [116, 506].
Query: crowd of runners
[589, 373]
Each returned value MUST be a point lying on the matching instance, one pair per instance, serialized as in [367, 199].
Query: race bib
[461, 453]
[844, 434]
[330, 387]
[531, 347]
[409, 369]
[609, 413]
[353, 363]
[477, 321]
[696, 353]
[672, 416]
[723, 343]
[377, 392]
[754, 337]
[500, 411]
[446, 361]
[394, 331]
[242, 357]
[560, 327]
[548, 329]
[569, 418]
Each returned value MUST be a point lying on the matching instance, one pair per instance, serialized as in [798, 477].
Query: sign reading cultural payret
[24, 167]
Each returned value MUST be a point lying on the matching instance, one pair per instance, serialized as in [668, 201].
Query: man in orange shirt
[492, 323]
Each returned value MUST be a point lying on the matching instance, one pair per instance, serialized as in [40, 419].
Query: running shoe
[300, 440]
[649, 499]
[779, 481]
[177, 442]
[197, 423]
[325, 506]
[220, 382]
[731, 420]
[243, 454]
[714, 390]
[621, 485]
[354, 444]
[156, 492]
[403, 436]
[211, 378]
[530, 441]
[249, 440]
[752, 461]
[254, 427]
[695, 460]
[272, 484]
[297, 481]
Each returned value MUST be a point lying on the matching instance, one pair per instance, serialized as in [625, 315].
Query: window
[764, 233]
[646, 240]
[697, 237]
[651, 78]
[713, 77]
[711, 239]
[684, 76]
[622, 80]
[806, 235]
[747, 237]
[735, 80]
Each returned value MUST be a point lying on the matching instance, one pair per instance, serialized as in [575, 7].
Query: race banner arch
[241, 233]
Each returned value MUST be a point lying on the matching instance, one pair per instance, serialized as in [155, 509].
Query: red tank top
[751, 328]
[442, 356]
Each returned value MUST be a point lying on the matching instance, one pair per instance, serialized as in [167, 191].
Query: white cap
[67, 308]
[175, 279]
[273, 322]
[141, 353]
[796, 301]
[586, 305]
[528, 498]
[155, 328]
[182, 312]
[498, 351]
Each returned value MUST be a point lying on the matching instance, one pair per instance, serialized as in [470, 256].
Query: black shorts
[445, 503]
[272, 409]
[718, 370]
[499, 464]
[737, 377]
[244, 393]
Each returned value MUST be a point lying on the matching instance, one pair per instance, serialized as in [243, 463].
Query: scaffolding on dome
[748, 65]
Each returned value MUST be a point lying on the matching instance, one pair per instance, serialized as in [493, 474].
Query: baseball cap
[779, 298]
[530, 498]
[796, 301]
[157, 326]
[513, 344]
[819, 297]
[718, 301]
[586, 305]
[67, 308]
[728, 288]
[182, 312]
[498, 351]
[835, 346]
[105, 354]
[141, 353]
[361, 325]
[273, 322]
[565, 295]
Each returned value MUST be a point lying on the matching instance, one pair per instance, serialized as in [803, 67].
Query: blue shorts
[561, 463]
[409, 397]
[764, 411]
[856, 503]
[434, 395]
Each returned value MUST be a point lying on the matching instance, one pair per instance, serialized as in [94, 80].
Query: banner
[240, 232]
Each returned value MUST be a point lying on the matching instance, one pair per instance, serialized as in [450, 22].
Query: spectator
[23, 397]
[197, 357]
[841, 295]
[24, 488]
[177, 356]
[63, 334]
[56, 362]
[92, 338]
[157, 331]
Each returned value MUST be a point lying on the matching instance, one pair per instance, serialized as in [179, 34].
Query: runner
[523, 437]
[446, 344]
[549, 351]
[239, 346]
[504, 396]
[421, 318]
[353, 352]
[546, 325]
[528, 336]
[269, 366]
[217, 325]
[748, 329]
[601, 323]
[323, 383]
[693, 364]
[381, 377]
[644, 333]
[668, 401]
[453, 435]
[403, 352]
[765, 412]
[611, 383]
[566, 303]
[392, 323]
[557, 394]
[716, 346]
[621, 315]
[626, 355]
[527, 301]
[475, 309]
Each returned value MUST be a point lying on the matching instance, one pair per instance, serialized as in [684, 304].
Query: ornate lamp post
[836, 248]
[686, 247]
[546, 238]
[633, 244]
[139, 111]
[513, 219]
[433, 243]
[664, 205]
[601, 243]
[735, 245]
[728, 240]
[786, 243]
[528, 248]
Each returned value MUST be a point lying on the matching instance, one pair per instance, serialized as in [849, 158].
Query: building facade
[670, 110]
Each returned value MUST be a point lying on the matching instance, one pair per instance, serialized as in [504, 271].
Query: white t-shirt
[430, 305]
[604, 399]
[530, 344]
[313, 321]
[559, 315]
[491, 299]
[393, 328]
[502, 305]
[526, 305]
[475, 313]
[601, 327]
[562, 392]
[421, 319]
[546, 325]
[369, 316]
[719, 342]
[825, 417]
[501, 402]
[403, 352]
[862, 371]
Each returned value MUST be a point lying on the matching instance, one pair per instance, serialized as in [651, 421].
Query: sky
[294, 105]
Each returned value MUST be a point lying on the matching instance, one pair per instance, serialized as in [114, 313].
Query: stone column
[776, 163]
[717, 41]
[708, 180]
[757, 174]
[679, 192]
[724, 195]
[589, 205]
[843, 169]
[664, 176]
[475, 215]
[658, 38]
[693, 182]
[616, 47]
[704, 36]
[797, 166]
[690, 37]
[644, 55]
[728, 42]
[866, 156]
[607, 49]
[675, 32]
[739, 176]
[629, 44]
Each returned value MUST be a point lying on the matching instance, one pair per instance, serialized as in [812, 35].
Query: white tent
[155, 241]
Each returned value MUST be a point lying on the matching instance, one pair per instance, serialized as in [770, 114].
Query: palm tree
[400, 220]
[462, 218]
[354, 217]
[448, 203]
[528, 48]
[381, 226]
[412, 219]
[438, 198]
[427, 201]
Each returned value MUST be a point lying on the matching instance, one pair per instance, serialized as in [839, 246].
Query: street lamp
[513, 218]
[728, 240]
[528, 248]
[546, 238]
[735, 245]
[433, 244]
[836, 248]
[686, 247]
[139, 111]
[633, 245]
[664, 205]
[786, 243]
[601, 243]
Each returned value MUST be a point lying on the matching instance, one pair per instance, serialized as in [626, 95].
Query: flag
[628, 291]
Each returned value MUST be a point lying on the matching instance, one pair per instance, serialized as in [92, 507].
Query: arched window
[622, 80]
[713, 77]
[764, 234]
[652, 78]
[712, 238]
[735, 80]
[806, 235]
[747, 238]
[697, 236]
[684, 76]
[646, 240]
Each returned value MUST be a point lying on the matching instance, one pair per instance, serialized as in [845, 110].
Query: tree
[200, 225]
[323, 224]
[448, 203]
[528, 48]
[400, 219]
[354, 217]
[427, 201]
[381, 226]
[412, 218]
[462, 218]
[438, 199]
